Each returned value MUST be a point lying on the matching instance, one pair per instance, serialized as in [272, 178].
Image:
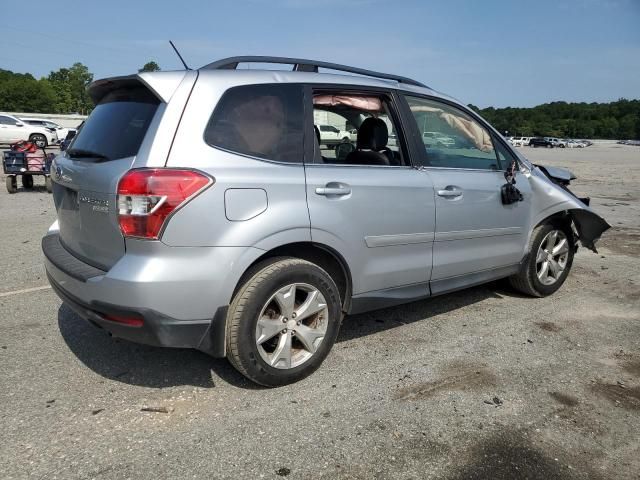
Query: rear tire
[545, 247]
[27, 182]
[11, 183]
[39, 139]
[262, 342]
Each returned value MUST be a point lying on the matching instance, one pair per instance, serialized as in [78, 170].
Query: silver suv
[196, 209]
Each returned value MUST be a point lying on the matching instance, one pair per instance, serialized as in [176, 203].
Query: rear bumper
[156, 329]
[180, 294]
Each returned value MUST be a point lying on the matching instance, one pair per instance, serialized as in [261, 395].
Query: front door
[476, 237]
[371, 205]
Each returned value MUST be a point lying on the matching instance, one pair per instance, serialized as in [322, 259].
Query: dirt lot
[478, 384]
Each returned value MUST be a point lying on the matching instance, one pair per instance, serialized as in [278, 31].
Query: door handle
[333, 188]
[450, 192]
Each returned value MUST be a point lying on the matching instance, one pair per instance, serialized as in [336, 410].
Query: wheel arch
[322, 255]
[586, 226]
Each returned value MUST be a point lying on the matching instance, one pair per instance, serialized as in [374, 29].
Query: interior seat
[373, 136]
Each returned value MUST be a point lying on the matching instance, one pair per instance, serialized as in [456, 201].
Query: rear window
[116, 127]
[264, 121]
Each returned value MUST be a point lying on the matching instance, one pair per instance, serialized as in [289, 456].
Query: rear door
[85, 177]
[4, 128]
[380, 218]
[10, 131]
[475, 233]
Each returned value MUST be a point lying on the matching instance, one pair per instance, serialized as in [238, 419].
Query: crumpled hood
[561, 175]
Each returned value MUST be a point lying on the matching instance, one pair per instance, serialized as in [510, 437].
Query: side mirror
[18, 124]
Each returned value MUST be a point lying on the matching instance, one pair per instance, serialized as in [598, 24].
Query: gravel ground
[482, 383]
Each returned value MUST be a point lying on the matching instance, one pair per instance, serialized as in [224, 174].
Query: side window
[6, 121]
[363, 129]
[264, 121]
[505, 157]
[452, 138]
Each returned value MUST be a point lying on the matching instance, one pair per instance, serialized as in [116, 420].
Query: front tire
[283, 322]
[11, 183]
[39, 140]
[548, 263]
[47, 184]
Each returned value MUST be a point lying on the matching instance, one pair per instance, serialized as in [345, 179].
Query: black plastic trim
[58, 255]
[157, 329]
[460, 282]
[389, 297]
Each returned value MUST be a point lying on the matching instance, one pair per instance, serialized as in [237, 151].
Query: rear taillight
[148, 196]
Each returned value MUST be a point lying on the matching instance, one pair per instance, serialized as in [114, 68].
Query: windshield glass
[116, 127]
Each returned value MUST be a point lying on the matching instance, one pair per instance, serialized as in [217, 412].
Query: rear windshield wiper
[79, 153]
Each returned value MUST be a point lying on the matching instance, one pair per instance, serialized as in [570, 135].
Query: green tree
[150, 67]
[70, 85]
[615, 120]
[23, 93]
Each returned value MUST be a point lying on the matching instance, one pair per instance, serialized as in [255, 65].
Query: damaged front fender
[590, 227]
[552, 197]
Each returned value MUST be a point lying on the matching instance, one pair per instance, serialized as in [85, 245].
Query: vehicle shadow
[155, 367]
[356, 326]
[143, 365]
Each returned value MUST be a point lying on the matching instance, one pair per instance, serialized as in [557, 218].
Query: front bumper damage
[554, 182]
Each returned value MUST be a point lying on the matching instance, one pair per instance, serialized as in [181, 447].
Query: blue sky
[491, 52]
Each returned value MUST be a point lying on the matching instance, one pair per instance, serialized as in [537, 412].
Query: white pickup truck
[332, 136]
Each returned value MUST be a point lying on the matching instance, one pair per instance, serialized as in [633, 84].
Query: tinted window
[7, 121]
[451, 137]
[264, 121]
[116, 127]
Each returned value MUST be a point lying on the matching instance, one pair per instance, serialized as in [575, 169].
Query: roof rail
[303, 65]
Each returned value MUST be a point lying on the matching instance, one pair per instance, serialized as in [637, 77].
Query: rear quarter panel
[205, 221]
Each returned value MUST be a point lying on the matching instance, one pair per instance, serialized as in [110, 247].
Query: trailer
[26, 164]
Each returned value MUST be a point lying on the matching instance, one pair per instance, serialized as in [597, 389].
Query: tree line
[614, 120]
[62, 91]
[65, 91]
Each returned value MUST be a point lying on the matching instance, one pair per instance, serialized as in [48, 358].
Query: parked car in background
[62, 132]
[574, 143]
[12, 129]
[196, 210]
[541, 142]
[332, 136]
[438, 139]
[64, 144]
[557, 142]
[520, 141]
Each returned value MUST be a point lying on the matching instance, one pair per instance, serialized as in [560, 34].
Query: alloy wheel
[292, 325]
[552, 256]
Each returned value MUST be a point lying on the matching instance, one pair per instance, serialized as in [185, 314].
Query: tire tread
[240, 300]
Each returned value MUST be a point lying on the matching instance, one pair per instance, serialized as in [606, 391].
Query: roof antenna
[179, 56]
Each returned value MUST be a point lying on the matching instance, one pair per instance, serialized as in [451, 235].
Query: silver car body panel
[398, 239]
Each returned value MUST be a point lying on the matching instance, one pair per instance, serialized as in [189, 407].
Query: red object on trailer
[26, 159]
[24, 146]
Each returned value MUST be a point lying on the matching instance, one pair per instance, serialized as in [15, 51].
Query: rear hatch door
[85, 177]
